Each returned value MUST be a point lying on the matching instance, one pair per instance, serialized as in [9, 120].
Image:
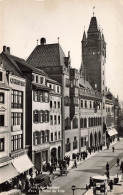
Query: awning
[112, 132]
[7, 172]
[115, 131]
[22, 163]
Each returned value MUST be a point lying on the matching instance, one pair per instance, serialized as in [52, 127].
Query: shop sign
[17, 82]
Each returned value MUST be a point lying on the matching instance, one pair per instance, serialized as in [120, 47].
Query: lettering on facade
[17, 82]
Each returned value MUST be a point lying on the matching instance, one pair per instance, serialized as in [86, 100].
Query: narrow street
[80, 176]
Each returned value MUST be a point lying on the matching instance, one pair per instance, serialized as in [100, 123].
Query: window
[59, 135]
[67, 123]
[68, 146]
[41, 116]
[75, 123]
[58, 89]
[50, 86]
[75, 143]
[85, 104]
[55, 120]
[46, 116]
[67, 82]
[90, 105]
[82, 142]
[41, 80]
[51, 136]
[46, 135]
[36, 78]
[17, 99]
[54, 104]
[68, 140]
[35, 116]
[51, 120]
[81, 103]
[35, 96]
[58, 120]
[55, 135]
[51, 104]
[58, 104]
[1, 144]
[16, 118]
[46, 97]
[81, 123]
[16, 142]
[1, 76]
[85, 141]
[42, 137]
[1, 97]
[40, 96]
[1, 120]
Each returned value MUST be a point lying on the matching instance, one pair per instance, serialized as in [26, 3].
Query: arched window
[81, 123]
[75, 123]
[67, 123]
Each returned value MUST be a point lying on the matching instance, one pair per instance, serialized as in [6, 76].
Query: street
[80, 176]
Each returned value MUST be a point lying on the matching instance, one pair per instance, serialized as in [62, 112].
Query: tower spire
[93, 11]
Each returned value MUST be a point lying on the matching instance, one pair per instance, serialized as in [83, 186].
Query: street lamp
[73, 188]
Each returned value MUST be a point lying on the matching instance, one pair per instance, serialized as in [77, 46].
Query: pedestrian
[75, 163]
[31, 181]
[107, 166]
[111, 185]
[113, 149]
[90, 182]
[118, 161]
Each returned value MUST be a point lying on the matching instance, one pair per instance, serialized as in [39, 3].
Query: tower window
[1, 97]
[1, 76]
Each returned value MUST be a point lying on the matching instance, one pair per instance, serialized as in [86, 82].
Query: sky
[22, 22]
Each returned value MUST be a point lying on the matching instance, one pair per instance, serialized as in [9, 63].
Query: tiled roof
[39, 86]
[47, 55]
[19, 63]
[85, 83]
[93, 25]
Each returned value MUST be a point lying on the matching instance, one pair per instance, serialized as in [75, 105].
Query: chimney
[42, 41]
[8, 50]
[4, 48]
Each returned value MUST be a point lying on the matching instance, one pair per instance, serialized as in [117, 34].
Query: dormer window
[1, 76]
[41, 80]
[36, 79]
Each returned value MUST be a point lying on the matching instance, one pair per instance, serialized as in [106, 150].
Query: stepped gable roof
[19, 63]
[85, 84]
[93, 27]
[47, 55]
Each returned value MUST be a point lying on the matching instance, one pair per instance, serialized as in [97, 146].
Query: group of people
[22, 182]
